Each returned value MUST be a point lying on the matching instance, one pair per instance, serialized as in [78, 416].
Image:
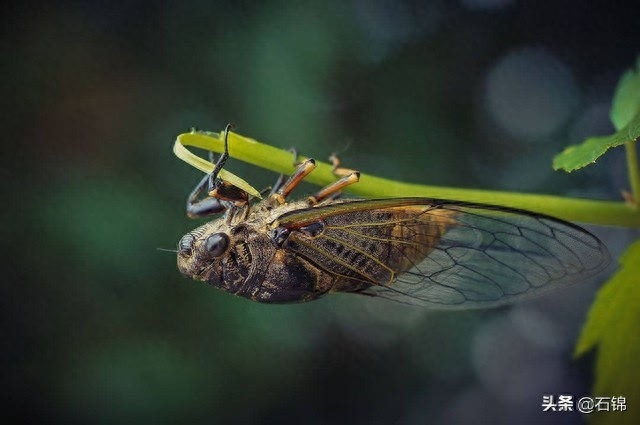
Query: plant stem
[581, 210]
[632, 167]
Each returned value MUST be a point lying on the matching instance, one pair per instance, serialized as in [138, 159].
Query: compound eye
[216, 244]
[185, 246]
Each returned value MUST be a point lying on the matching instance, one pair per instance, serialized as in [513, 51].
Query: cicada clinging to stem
[432, 252]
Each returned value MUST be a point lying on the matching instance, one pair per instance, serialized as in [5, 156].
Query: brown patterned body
[438, 253]
[271, 258]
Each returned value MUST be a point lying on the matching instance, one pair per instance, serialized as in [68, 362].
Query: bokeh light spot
[530, 94]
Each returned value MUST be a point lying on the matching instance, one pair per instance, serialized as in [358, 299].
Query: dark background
[99, 327]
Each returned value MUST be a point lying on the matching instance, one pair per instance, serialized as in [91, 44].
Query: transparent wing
[494, 256]
[446, 254]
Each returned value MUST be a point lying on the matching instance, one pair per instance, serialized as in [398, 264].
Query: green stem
[581, 210]
[632, 167]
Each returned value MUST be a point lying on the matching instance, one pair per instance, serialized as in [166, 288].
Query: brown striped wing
[443, 254]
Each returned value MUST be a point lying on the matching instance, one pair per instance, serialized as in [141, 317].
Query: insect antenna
[167, 250]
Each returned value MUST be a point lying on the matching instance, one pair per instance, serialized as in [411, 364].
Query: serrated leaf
[578, 156]
[625, 115]
[613, 327]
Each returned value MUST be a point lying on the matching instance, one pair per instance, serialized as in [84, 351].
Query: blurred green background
[99, 327]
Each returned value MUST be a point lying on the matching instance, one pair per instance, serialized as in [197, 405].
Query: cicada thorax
[369, 247]
[237, 262]
[285, 278]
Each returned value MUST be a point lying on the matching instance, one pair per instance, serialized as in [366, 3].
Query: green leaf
[613, 327]
[626, 102]
[625, 115]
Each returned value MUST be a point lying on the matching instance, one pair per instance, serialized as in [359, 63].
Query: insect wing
[443, 254]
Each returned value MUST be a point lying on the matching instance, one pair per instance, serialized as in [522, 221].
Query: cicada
[432, 252]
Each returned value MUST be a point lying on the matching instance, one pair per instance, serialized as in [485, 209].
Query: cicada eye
[185, 246]
[216, 244]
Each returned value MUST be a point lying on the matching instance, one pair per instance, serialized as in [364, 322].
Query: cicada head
[208, 254]
[242, 258]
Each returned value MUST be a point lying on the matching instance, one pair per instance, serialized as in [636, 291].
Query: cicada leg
[282, 179]
[303, 170]
[219, 191]
[199, 208]
[283, 188]
[339, 171]
[332, 191]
